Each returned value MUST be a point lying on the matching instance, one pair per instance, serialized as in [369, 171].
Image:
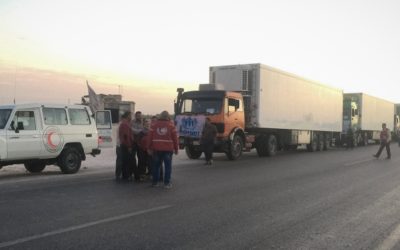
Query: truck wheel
[35, 167]
[272, 145]
[261, 145]
[235, 148]
[326, 143]
[321, 142]
[70, 161]
[192, 153]
[313, 145]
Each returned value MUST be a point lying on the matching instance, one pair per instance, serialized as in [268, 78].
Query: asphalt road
[336, 199]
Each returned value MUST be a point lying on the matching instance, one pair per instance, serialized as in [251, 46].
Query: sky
[145, 50]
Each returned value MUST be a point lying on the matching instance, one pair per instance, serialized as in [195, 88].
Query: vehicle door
[24, 135]
[234, 115]
[104, 128]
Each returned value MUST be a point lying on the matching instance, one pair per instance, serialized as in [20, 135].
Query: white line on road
[357, 162]
[391, 241]
[78, 227]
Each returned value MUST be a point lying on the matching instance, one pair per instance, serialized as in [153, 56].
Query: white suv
[38, 135]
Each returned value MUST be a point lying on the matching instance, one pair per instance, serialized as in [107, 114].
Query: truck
[255, 106]
[38, 135]
[364, 115]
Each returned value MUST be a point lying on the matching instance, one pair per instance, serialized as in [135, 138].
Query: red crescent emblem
[49, 141]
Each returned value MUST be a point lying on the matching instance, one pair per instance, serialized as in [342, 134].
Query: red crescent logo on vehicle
[53, 139]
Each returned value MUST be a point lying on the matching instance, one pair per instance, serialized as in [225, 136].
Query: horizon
[146, 50]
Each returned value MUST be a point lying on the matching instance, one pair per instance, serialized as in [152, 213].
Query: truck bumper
[220, 144]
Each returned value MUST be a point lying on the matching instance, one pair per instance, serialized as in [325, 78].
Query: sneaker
[168, 186]
[388, 157]
[376, 156]
[154, 185]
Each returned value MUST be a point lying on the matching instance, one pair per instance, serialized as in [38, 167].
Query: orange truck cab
[225, 110]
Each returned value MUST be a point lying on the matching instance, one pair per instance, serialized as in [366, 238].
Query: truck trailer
[364, 115]
[257, 106]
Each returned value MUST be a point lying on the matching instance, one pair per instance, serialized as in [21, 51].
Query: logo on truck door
[53, 139]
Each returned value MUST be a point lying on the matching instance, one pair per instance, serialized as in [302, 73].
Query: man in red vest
[163, 142]
[385, 141]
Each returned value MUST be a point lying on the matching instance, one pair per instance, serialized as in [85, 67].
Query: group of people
[144, 146]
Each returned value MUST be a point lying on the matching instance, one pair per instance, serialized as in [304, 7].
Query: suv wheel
[35, 167]
[70, 161]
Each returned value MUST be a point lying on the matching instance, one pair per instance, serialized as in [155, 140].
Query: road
[337, 199]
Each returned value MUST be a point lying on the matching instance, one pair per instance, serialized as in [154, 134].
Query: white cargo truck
[37, 135]
[364, 114]
[263, 108]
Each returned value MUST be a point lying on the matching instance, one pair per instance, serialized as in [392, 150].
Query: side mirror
[20, 126]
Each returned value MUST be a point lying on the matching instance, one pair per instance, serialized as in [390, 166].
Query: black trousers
[384, 144]
[128, 164]
[208, 149]
[142, 161]
[118, 163]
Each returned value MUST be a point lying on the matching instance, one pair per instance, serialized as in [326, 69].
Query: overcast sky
[146, 49]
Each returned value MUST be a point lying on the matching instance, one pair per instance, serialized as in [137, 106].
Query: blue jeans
[158, 158]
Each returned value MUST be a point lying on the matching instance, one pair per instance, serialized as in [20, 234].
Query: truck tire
[261, 145]
[235, 148]
[70, 161]
[272, 145]
[35, 167]
[192, 153]
[320, 144]
[313, 145]
[326, 143]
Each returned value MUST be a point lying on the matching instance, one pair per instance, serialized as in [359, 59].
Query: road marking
[357, 162]
[391, 241]
[82, 226]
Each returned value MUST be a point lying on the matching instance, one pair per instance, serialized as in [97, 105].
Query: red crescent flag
[94, 101]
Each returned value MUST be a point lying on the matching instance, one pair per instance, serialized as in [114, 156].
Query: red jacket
[163, 136]
[125, 134]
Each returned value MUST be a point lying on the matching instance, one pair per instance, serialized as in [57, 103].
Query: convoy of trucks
[257, 106]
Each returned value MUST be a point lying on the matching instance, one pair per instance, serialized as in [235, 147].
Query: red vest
[163, 136]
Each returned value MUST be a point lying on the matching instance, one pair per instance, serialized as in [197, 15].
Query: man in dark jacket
[207, 140]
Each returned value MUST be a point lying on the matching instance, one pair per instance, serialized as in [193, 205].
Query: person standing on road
[163, 142]
[126, 143]
[118, 161]
[385, 141]
[207, 140]
[137, 128]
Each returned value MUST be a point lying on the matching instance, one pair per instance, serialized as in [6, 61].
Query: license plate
[196, 143]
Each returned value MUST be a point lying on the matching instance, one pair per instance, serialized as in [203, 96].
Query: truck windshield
[4, 115]
[202, 106]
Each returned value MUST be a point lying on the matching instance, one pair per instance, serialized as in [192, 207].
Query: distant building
[113, 103]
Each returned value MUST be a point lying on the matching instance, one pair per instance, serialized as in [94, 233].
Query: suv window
[55, 116]
[24, 120]
[78, 117]
[4, 115]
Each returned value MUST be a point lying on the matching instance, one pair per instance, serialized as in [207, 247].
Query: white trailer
[284, 107]
[364, 114]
